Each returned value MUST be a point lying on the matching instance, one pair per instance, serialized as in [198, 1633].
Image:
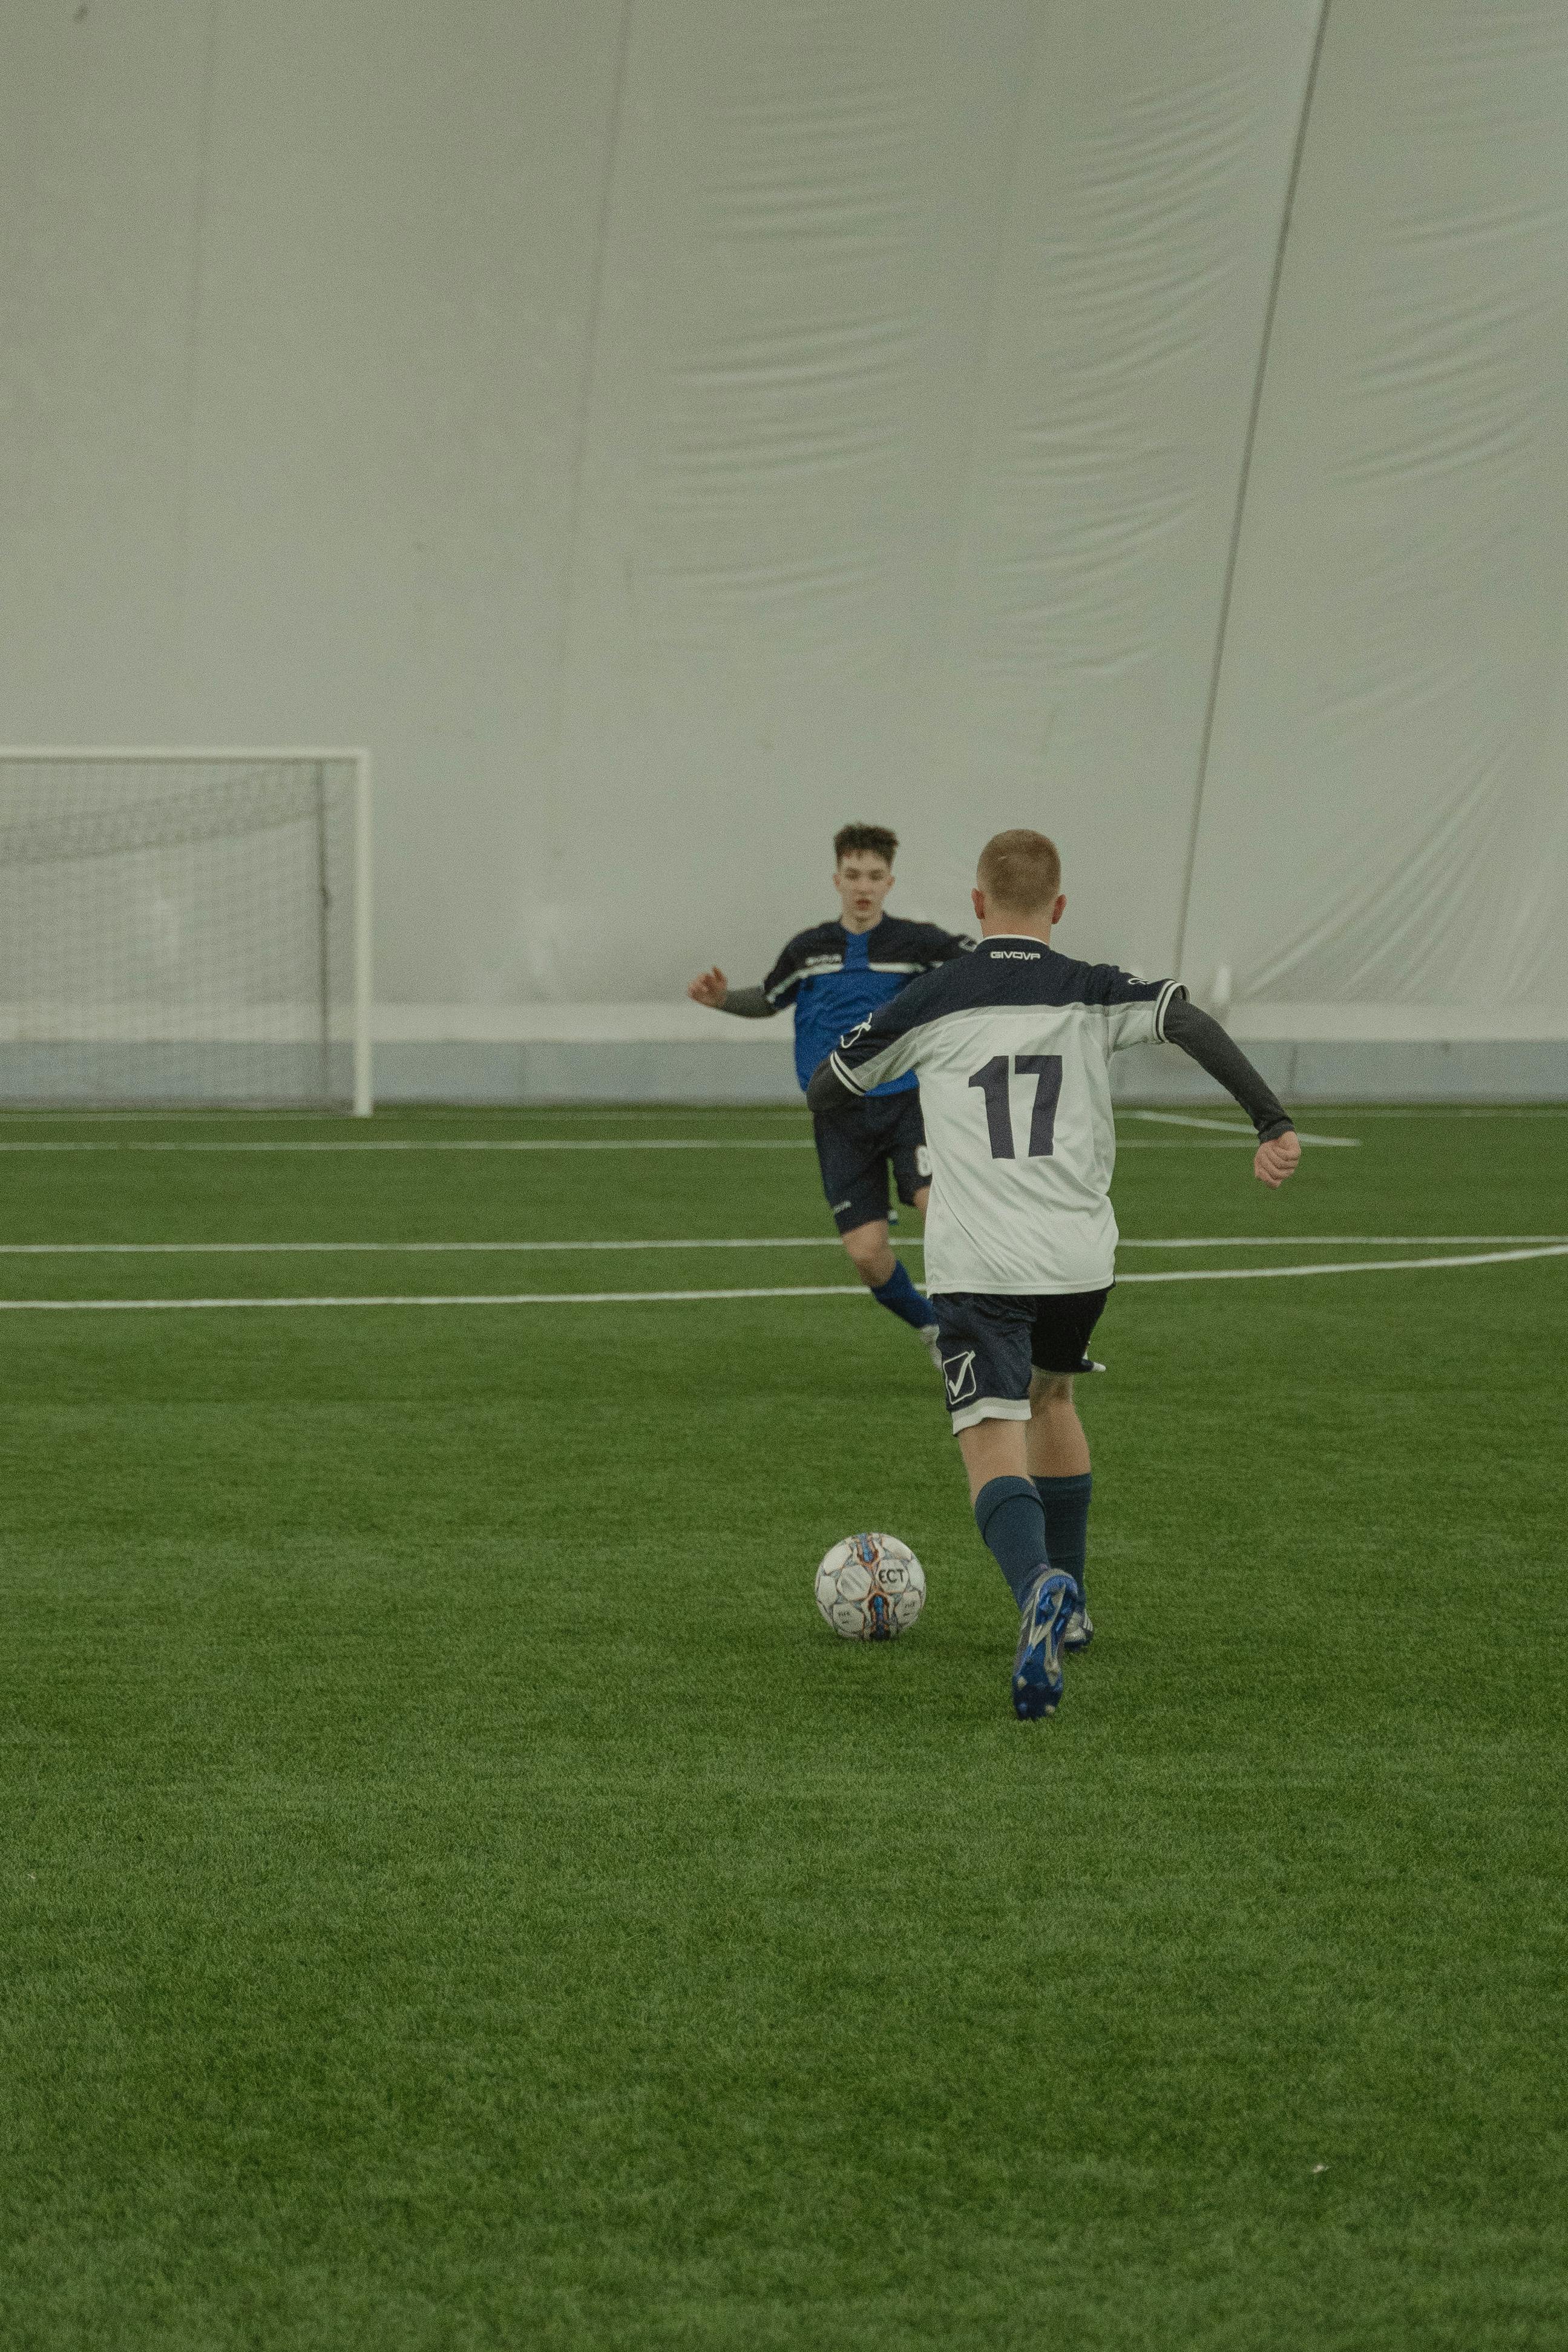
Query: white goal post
[185, 927]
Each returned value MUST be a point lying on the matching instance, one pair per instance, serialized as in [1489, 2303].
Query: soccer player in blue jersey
[835, 975]
[1013, 1050]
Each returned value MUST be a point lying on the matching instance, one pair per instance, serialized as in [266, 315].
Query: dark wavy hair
[877, 838]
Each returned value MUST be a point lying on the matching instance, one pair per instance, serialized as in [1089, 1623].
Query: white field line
[1452, 1110]
[473, 1298]
[1337, 1241]
[239, 1117]
[750, 1242]
[391, 1114]
[14, 1115]
[20, 1115]
[1349, 1265]
[1228, 1126]
[448, 1143]
[1187, 1118]
[648, 1298]
[572, 1143]
[417, 1249]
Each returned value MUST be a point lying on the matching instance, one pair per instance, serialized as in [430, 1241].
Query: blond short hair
[1021, 870]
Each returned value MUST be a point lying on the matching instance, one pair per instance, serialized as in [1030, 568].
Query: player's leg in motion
[871, 1254]
[852, 1151]
[1011, 1520]
[903, 1138]
[986, 1348]
[1058, 1455]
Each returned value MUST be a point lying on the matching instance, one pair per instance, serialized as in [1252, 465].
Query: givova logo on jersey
[958, 1371]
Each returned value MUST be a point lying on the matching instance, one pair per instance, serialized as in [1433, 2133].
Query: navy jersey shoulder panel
[1107, 983]
[1001, 973]
[1020, 970]
[998, 972]
[921, 944]
[904, 947]
[823, 945]
[925, 998]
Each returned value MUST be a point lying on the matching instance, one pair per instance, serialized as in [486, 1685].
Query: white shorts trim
[991, 1409]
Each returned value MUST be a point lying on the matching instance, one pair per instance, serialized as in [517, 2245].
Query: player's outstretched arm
[711, 988]
[1278, 1146]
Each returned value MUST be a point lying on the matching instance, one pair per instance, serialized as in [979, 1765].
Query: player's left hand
[1275, 1160]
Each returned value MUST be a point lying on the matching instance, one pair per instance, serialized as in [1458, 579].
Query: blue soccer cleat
[1037, 1666]
[1080, 1630]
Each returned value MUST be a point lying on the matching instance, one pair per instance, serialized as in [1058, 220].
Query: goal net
[184, 928]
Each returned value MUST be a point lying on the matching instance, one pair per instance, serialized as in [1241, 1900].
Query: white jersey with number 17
[1012, 1045]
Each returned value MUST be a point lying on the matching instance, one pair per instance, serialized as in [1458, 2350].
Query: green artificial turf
[458, 1895]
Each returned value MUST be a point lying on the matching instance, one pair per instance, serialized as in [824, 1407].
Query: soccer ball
[870, 1588]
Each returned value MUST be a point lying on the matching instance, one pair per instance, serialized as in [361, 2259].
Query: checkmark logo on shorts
[958, 1371]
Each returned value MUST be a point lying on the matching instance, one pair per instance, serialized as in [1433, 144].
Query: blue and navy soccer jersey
[836, 979]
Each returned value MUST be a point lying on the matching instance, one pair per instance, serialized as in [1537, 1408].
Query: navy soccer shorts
[992, 1345]
[854, 1149]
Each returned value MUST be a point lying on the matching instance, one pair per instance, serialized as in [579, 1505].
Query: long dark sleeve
[751, 1003]
[827, 1094]
[1189, 1026]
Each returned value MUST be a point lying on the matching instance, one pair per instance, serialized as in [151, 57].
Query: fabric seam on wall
[554, 810]
[1244, 473]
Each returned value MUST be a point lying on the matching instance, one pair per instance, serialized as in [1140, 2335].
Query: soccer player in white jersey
[1012, 1047]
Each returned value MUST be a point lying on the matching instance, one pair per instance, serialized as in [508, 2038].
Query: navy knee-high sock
[1065, 1502]
[1010, 1518]
[900, 1297]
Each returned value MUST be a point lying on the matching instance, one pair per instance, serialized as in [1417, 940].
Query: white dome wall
[1386, 818]
[663, 430]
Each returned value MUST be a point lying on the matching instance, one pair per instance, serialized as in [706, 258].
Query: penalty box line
[806, 1290]
[1228, 1126]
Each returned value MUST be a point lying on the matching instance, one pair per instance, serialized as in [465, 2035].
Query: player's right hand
[709, 988]
[1276, 1160]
